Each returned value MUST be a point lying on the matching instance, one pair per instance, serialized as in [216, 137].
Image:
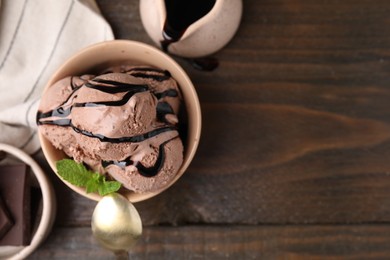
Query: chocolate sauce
[144, 171]
[163, 109]
[115, 103]
[151, 76]
[116, 87]
[180, 15]
[148, 69]
[131, 139]
[143, 73]
[167, 93]
[205, 63]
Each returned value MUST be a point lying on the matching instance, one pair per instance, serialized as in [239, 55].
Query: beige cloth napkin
[36, 37]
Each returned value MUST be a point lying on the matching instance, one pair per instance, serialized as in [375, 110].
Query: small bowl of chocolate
[27, 204]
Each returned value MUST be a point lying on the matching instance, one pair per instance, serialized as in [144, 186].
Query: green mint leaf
[92, 184]
[108, 187]
[73, 172]
[76, 174]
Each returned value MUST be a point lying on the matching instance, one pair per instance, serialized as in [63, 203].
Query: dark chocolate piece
[5, 219]
[15, 191]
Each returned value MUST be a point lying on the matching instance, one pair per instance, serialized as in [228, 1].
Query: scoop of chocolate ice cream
[120, 123]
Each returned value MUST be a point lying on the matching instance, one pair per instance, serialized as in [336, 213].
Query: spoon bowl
[116, 224]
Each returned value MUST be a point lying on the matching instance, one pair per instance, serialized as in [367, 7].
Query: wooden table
[294, 156]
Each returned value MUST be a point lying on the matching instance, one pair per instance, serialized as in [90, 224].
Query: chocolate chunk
[15, 191]
[5, 219]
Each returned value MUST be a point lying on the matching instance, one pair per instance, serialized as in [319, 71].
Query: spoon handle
[122, 255]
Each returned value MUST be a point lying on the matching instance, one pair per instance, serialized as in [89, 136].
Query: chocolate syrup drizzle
[114, 87]
[143, 170]
[139, 72]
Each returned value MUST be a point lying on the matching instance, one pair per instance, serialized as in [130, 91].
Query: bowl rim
[48, 209]
[150, 50]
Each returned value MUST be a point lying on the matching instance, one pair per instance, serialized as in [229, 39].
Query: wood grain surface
[294, 155]
[232, 242]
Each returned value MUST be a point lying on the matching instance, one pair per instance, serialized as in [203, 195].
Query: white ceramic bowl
[48, 210]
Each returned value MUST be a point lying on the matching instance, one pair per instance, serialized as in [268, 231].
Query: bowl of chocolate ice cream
[124, 110]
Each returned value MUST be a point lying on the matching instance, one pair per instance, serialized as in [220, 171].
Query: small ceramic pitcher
[203, 36]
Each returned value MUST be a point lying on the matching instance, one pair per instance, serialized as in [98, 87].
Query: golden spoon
[116, 224]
